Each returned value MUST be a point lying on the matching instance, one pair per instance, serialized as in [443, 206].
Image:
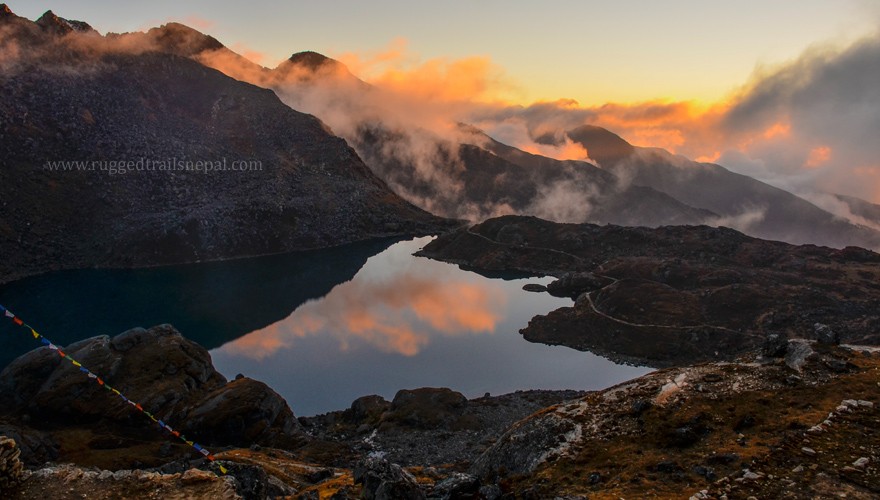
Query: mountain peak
[5, 11]
[311, 60]
[51, 23]
[604, 146]
[180, 39]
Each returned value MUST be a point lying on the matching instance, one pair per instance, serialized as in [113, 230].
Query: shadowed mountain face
[476, 182]
[125, 104]
[862, 208]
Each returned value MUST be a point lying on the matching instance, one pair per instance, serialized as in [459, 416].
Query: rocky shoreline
[676, 295]
[722, 427]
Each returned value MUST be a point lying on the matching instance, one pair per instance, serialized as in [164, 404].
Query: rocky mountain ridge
[75, 96]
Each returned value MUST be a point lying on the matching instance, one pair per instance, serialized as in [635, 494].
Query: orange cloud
[248, 53]
[397, 70]
[777, 129]
[568, 150]
[818, 157]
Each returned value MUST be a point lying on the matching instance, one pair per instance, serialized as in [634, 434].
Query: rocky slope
[675, 295]
[73, 95]
[761, 426]
[796, 419]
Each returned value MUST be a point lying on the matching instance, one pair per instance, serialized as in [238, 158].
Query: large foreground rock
[169, 375]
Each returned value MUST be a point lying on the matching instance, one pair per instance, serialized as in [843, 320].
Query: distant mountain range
[634, 186]
[81, 113]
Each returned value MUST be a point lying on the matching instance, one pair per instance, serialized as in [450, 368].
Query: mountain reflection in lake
[211, 303]
[405, 322]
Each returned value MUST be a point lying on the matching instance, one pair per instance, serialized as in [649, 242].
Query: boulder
[383, 480]
[368, 408]
[797, 354]
[37, 447]
[156, 367]
[825, 335]
[426, 408]
[241, 413]
[774, 346]
[457, 486]
[170, 376]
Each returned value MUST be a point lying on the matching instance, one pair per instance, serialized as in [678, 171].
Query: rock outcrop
[676, 295]
[738, 429]
[386, 481]
[170, 376]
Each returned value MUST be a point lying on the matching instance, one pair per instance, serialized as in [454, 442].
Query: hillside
[675, 295]
[747, 204]
[79, 97]
[798, 423]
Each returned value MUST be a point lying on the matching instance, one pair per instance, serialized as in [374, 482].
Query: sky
[590, 51]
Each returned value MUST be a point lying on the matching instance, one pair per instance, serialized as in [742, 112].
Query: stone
[426, 408]
[707, 472]
[243, 412]
[368, 407]
[774, 346]
[491, 492]
[457, 486]
[797, 353]
[861, 463]
[808, 451]
[41, 386]
[534, 287]
[751, 476]
[825, 335]
[383, 480]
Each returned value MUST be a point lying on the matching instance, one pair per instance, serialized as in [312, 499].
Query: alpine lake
[324, 327]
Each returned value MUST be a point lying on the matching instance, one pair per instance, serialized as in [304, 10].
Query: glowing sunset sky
[590, 51]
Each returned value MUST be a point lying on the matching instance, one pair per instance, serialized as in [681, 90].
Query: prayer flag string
[101, 382]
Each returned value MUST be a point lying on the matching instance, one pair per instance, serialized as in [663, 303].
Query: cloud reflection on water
[389, 305]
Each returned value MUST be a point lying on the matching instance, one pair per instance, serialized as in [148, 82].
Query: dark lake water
[325, 327]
